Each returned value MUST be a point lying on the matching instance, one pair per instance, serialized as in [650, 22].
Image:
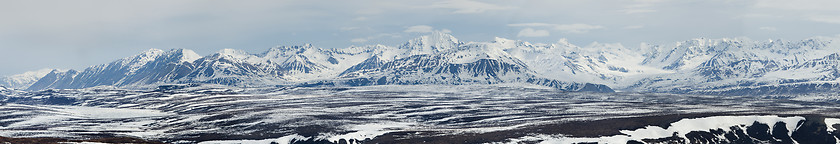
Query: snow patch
[282, 140]
[97, 112]
[189, 55]
[830, 122]
[369, 131]
[681, 128]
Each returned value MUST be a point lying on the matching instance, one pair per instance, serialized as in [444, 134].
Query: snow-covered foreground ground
[396, 114]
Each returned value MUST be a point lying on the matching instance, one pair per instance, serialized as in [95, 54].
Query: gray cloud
[529, 32]
[377, 36]
[834, 19]
[419, 29]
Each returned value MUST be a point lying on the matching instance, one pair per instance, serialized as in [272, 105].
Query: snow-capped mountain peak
[564, 43]
[289, 50]
[23, 80]
[188, 55]
[134, 62]
[232, 52]
[432, 43]
[506, 44]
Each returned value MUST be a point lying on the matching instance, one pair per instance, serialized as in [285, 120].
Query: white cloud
[826, 19]
[360, 18]
[529, 32]
[758, 15]
[358, 40]
[366, 39]
[370, 11]
[419, 29]
[807, 5]
[641, 6]
[651, 1]
[348, 28]
[768, 28]
[531, 25]
[468, 6]
[425, 29]
[577, 28]
[635, 11]
[570, 28]
[634, 27]
[819, 11]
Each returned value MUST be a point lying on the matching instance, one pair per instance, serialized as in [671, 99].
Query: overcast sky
[75, 34]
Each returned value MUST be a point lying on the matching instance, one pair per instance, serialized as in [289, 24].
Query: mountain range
[710, 66]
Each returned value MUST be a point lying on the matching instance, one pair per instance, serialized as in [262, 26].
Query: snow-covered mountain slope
[23, 80]
[610, 64]
[719, 66]
[700, 65]
[438, 58]
[279, 65]
[441, 59]
[150, 67]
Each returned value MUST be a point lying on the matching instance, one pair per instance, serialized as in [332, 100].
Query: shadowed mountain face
[425, 69]
[707, 66]
[150, 67]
